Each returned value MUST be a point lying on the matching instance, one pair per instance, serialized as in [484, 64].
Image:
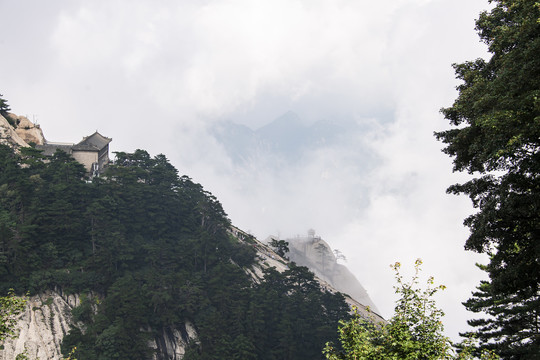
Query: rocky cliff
[8, 135]
[48, 318]
[27, 130]
[18, 131]
[313, 252]
[306, 251]
[41, 327]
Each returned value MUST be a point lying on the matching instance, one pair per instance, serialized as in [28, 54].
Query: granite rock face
[8, 135]
[313, 252]
[171, 344]
[22, 133]
[47, 319]
[41, 327]
[27, 130]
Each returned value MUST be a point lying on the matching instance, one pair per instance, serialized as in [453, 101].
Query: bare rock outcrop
[8, 135]
[172, 343]
[313, 252]
[47, 319]
[41, 327]
[307, 251]
[27, 130]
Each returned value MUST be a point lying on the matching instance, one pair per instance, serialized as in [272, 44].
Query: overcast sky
[161, 75]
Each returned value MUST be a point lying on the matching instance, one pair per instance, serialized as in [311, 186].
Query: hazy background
[295, 114]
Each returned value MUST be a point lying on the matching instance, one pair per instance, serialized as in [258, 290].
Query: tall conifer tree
[4, 107]
[496, 137]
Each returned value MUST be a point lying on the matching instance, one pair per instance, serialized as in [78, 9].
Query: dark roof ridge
[96, 141]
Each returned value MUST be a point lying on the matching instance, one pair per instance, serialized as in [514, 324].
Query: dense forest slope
[146, 252]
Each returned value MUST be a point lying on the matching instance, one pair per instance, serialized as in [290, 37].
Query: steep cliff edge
[27, 130]
[306, 251]
[18, 131]
[8, 135]
[313, 252]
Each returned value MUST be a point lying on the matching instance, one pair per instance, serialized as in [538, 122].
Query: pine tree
[4, 107]
[496, 137]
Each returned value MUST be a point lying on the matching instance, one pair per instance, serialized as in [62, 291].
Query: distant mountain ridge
[287, 137]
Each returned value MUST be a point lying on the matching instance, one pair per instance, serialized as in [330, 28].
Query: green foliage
[417, 323]
[468, 350]
[71, 355]
[281, 247]
[414, 332]
[22, 356]
[287, 316]
[496, 137]
[511, 320]
[10, 307]
[153, 251]
[4, 107]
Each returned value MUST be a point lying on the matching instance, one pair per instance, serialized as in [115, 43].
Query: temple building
[92, 152]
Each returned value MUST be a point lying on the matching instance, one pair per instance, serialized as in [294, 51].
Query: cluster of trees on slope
[153, 249]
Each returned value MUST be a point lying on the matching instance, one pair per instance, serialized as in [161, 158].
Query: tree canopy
[280, 246]
[4, 107]
[496, 137]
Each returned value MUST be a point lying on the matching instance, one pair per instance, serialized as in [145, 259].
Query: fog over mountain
[287, 139]
[298, 162]
[369, 192]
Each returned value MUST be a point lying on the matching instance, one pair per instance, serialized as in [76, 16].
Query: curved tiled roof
[50, 148]
[94, 142]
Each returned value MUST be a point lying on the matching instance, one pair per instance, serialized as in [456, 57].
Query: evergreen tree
[281, 247]
[4, 107]
[496, 137]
